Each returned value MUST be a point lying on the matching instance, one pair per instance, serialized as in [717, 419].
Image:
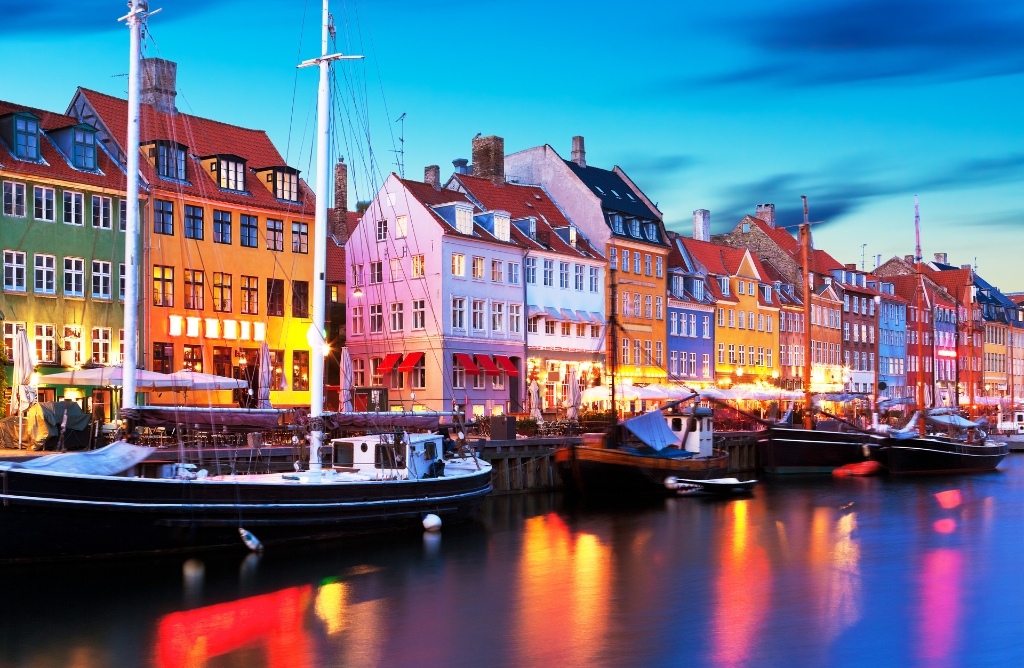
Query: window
[376, 318]
[121, 279]
[513, 273]
[502, 228]
[648, 311]
[750, 320]
[46, 345]
[578, 277]
[300, 370]
[286, 185]
[707, 327]
[581, 330]
[419, 267]
[846, 331]
[170, 160]
[248, 227]
[458, 375]
[625, 351]
[673, 363]
[647, 264]
[357, 275]
[418, 375]
[275, 297]
[498, 382]
[359, 372]
[376, 272]
[768, 323]
[659, 355]
[647, 352]
[194, 290]
[26, 138]
[616, 219]
[397, 317]
[163, 216]
[300, 238]
[193, 222]
[636, 262]
[496, 267]
[566, 329]
[760, 357]
[659, 267]
[595, 331]
[595, 275]
[376, 378]
[760, 322]
[275, 235]
[419, 314]
[549, 326]
[221, 227]
[300, 299]
[515, 318]
[163, 357]
[10, 331]
[232, 174]
[100, 279]
[497, 317]
[634, 227]
[478, 268]
[549, 272]
[464, 220]
[192, 358]
[100, 345]
[357, 320]
[74, 208]
[659, 307]
[397, 271]
[44, 204]
[531, 270]
[732, 353]
[458, 264]
[221, 292]
[478, 315]
[101, 213]
[563, 275]
[14, 271]
[673, 324]
[74, 277]
[45, 275]
[458, 313]
[122, 219]
[250, 295]
[382, 230]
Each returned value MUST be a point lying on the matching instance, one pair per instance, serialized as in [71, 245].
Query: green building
[61, 231]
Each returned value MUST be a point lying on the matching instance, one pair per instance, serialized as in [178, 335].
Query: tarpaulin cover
[953, 420]
[111, 460]
[204, 418]
[652, 430]
[404, 420]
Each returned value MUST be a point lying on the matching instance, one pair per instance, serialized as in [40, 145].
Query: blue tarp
[652, 430]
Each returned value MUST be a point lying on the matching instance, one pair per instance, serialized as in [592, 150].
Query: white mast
[316, 364]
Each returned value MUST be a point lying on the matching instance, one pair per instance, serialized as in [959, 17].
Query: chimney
[432, 176]
[941, 258]
[579, 154]
[341, 185]
[967, 266]
[851, 266]
[489, 158]
[909, 259]
[766, 212]
[461, 165]
[702, 225]
[159, 83]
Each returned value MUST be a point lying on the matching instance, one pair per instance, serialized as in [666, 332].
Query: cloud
[656, 171]
[871, 40]
[82, 16]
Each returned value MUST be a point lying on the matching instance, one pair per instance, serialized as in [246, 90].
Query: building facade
[892, 341]
[860, 322]
[691, 313]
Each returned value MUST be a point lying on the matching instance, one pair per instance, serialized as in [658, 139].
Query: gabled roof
[429, 197]
[48, 120]
[613, 191]
[821, 262]
[721, 260]
[336, 270]
[772, 275]
[204, 137]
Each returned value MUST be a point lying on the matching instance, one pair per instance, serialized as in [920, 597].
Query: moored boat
[784, 449]
[936, 454]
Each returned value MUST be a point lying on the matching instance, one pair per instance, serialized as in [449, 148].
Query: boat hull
[59, 516]
[782, 450]
[935, 456]
[616, 473]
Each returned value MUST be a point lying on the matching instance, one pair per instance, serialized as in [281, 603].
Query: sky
[858, 104]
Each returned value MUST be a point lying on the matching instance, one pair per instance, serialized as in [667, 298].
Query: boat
[964, 447]
[787, 449]
[110, 502]
[717, 486]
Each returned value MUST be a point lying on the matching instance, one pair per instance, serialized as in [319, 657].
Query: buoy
[432, 522]
[858, 469]
[251, 541]
[671, 482]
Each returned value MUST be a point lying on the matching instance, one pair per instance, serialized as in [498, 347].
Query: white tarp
[652, 430]
[111, 460]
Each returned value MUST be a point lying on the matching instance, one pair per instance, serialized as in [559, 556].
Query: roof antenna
[862, 247]
[400, 152]
[917, 232]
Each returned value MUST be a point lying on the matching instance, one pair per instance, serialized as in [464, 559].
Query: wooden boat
[793, 450]
[938, 454]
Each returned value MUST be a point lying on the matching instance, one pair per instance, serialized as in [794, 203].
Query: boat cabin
[694, 426]
[395, 456]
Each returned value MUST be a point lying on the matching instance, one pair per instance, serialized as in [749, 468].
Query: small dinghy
[721, 486]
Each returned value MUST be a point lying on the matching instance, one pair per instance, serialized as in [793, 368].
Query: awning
[467, 362]
[388, 363]
[552, 313]
[597, 318]
[506, 364]
[583, 316]
[570, 316]
[488, 365]
[410, 361]
[532, 310]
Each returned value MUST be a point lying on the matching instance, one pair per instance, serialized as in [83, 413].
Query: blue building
[690, 309]
[892, 342]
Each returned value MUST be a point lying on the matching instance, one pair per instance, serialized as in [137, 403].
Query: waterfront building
[791, 331]
[339, 220]
[563, 278]
[921, 295]
[618, 219]
[435, 302]
[860, 320]
[892, 341]
[691, 312]
[62, 232]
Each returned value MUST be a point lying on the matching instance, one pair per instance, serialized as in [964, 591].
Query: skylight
[630, 196]
[598, 189]
[616, 194]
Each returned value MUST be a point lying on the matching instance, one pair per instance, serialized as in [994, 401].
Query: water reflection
[938, 614]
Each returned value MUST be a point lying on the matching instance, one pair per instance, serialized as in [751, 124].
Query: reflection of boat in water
[643, 453]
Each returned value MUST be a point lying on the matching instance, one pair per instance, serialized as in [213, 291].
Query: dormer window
[85, 149]
[501, 228]
[464, 220]
[572, 236]
[698, 290]
[26, 138]
[724, 284]
[617, 223]
[169, 159]
[231, 174]
[767, 294]
[286, 185]
[533, 228]
[634, 228]
[652, 232]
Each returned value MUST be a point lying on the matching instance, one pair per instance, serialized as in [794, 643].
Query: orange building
[227, 252]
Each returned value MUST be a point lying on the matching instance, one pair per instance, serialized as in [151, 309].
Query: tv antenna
[400, 151]
[862, 249]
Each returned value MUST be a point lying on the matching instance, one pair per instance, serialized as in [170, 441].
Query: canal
[806, 572]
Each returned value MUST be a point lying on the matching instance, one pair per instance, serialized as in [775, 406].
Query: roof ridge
[180, 113]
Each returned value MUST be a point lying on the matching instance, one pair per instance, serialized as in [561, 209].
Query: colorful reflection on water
[806, 572]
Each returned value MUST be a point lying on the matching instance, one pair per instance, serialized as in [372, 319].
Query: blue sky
[859, 104]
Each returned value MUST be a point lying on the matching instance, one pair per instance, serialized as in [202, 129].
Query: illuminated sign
[212, 328]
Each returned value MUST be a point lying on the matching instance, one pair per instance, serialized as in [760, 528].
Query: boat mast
[316, 364]
[613, 331]
[920, 319]
[805, 251]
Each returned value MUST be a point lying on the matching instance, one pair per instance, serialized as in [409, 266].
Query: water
[807, 572]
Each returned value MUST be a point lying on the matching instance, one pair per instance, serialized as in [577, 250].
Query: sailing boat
[93, 504]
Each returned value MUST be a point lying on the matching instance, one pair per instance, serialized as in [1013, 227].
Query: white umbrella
[347, 381]
[265, 377]
[575, 397]
[535, 402]
[193, 380]
[113, 376]
[23, 394]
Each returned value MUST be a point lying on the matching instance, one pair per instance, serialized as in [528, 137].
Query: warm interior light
[259, 331]
[174, 328]
[192, 327]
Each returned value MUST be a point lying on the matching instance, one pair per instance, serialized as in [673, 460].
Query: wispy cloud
[81, 15]
[862, 40]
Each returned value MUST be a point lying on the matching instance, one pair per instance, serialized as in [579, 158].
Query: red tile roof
[204, 137]
[821, 262]
[430, 197]
[719, 259]
[336, 269]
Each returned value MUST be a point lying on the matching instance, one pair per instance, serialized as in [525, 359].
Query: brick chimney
[489, 158]
[337, 218]
[766, 212]
[702, 225]
[159, 84]
[909, 259]
[579, 154]
[432, 176]
[941, 258]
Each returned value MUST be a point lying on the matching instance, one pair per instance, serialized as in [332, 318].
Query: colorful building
[691, 311]
[227, 242]
[860, 322]
[892, 341]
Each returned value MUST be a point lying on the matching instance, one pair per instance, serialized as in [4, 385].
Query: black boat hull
[59, 516]
[614, 473]
[782, 450]
[935, 456]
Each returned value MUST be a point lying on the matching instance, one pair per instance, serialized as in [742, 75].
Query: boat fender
[251, 541]
[432, 522]
[671, 482]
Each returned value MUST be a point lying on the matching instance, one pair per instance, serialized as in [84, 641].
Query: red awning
[488, 366]
[467, 362]
[506, 364]
[388, 363]
[410, 361]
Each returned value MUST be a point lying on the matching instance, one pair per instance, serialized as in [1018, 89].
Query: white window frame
[101, 345]
[49, 204]
[44, 270]
[74, 208]
[419, 314]
[45, 341]
[12, 206]
[102, 206]
[401, 226]
[101, 278]
[14, 271]
[459, 265]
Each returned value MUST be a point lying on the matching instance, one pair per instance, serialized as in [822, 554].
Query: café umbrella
[266, 375]
[535, 402]
[572, 411]
[23, 394]
[346, 380]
